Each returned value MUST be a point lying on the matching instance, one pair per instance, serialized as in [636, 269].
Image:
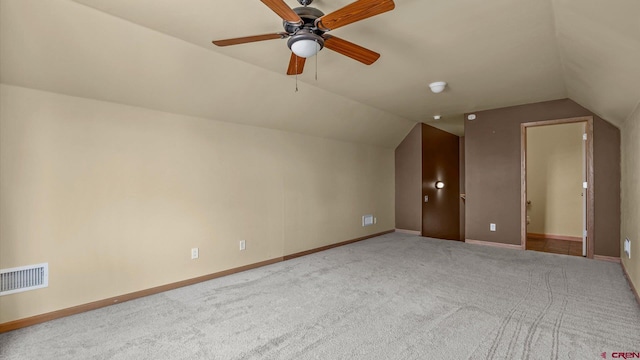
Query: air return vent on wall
[24, 278]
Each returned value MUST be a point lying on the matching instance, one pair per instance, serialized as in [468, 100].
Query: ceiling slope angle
[491, 54]
[498, 54]
[599, 43]
[72, 49]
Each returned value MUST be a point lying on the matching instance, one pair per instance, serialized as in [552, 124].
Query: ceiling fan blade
[353, 12]
[296, 65]
[350, 49]
[248, 39]
[283, 10]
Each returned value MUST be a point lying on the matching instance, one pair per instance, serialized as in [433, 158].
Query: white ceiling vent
[24, 278]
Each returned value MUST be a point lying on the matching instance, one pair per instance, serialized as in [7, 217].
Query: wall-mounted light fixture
[439, 184]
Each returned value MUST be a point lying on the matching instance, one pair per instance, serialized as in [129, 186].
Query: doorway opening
[556, 186]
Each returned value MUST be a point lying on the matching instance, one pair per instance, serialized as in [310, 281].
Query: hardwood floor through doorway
[554, 246]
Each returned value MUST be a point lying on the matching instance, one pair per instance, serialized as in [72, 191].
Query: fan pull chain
[317, 60]
[296, 73]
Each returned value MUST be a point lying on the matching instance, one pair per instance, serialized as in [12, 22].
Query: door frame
[588, 120]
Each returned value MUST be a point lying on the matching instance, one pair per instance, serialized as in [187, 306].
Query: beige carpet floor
[391, 297]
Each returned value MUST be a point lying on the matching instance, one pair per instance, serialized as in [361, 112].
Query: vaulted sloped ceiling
[599, 46]
[158, 54]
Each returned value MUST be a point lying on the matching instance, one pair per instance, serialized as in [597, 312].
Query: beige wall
[462, 189]
[606, 179]
[554, 179]
[114, 197]
[631, 194]
[408, 167]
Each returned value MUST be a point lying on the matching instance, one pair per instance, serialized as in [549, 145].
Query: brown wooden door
[440, 162]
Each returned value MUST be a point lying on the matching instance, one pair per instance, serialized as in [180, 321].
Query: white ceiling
[492, 53]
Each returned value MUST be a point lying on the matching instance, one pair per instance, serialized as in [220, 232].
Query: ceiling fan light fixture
[438, 86]
[305, 44]
[305, 48]
[305, 26]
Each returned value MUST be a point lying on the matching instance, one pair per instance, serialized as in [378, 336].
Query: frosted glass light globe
[305, 48]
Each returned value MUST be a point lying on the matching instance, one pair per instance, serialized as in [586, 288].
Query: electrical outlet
[195, 253]
[627, 247]
[243, 245]
[492, 227]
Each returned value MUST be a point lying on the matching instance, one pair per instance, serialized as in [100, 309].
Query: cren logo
[625, 355]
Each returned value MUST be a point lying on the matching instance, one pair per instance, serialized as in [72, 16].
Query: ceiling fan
[307, 27]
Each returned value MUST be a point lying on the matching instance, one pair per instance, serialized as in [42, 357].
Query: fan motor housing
[308, 15]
